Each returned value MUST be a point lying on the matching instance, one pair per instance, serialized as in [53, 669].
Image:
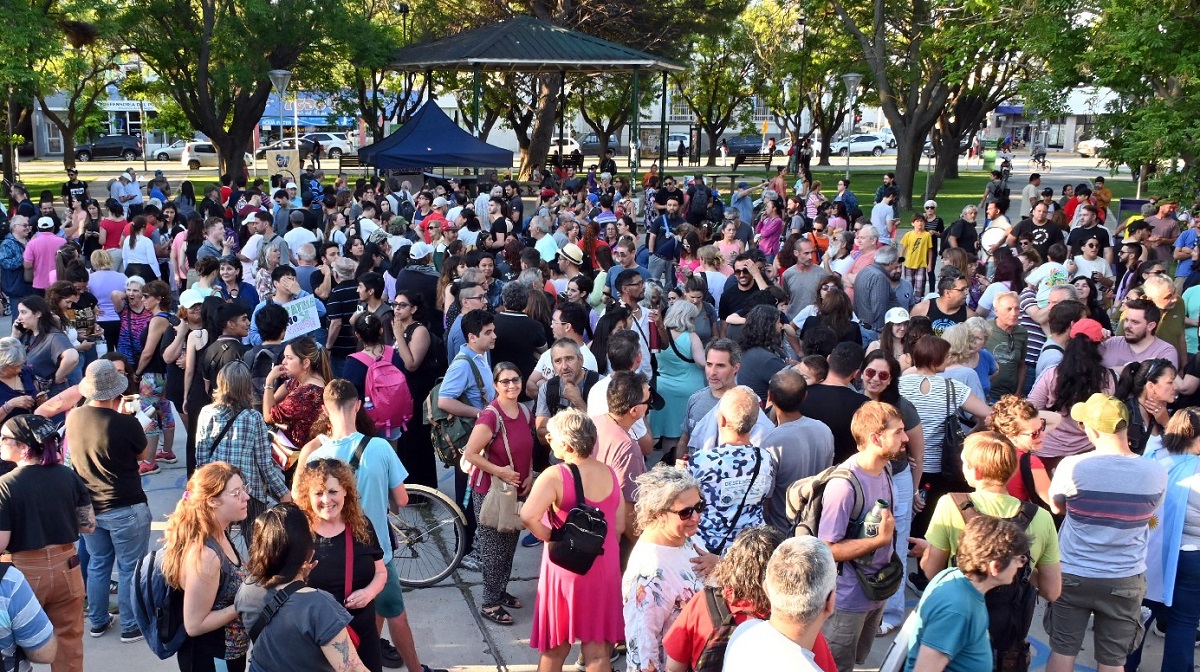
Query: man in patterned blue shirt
[23, 624]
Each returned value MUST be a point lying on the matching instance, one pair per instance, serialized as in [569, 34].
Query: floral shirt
[725, 472]
[298, 411]
[658, 582]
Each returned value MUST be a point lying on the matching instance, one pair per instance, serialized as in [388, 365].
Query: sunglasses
[828, 286]
[508, 381]
[1037, 433]
[741, 271]
[883, 376]
[690, 511]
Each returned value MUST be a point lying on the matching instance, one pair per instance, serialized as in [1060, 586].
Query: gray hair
[532, 279]
[1006, 295]
[12, 352]
[566, 343]
[886, 254]
[657, 491]
[959, 338]
[307, 252]
[1072, 293]
[977, 326]
[800, 577]
[681, 317]
[574, 428]
[515, 296]
[969, 208]
[135, 280]
[871, 232]
[343, 268]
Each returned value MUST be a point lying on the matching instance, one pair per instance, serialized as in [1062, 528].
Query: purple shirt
[835, 519]
[1117, 353]
[769, 229]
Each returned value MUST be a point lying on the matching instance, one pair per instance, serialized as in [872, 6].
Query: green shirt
[1009, 351]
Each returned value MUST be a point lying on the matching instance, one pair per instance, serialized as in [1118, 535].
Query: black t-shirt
[218, 353]
[517, 336]
[342, 304]
[76, 189]
[1192, 368]
[1043, 236]
[758, 365]
[835, 405]
[330, 573]
[83, 314]
[37, 505]
[852, 334]
[734, 299]
[1081, 235]
[105, 446]
[661, 196]
[965, 233]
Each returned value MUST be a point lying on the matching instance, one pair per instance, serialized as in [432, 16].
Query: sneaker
[147, 469]
[166, 456]
[918, 582]
[132, 635]
[885, 628]
[529, 541]
[470, 562]
[97, 630]
[391, 657]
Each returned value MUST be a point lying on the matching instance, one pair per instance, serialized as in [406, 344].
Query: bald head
[737, 413]
[787, 390]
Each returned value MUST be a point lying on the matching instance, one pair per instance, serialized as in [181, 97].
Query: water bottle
[923, 495]
[368, 405]
[871, 522]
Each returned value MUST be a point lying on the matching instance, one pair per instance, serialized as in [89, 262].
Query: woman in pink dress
[769, 229]
[576, 607]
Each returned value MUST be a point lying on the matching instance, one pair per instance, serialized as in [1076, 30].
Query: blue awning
[1010, 109]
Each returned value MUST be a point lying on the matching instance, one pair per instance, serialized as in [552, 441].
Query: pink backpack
[390, 401]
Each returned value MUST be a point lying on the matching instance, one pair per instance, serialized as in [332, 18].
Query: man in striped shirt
[1109, 496]
[23, 624]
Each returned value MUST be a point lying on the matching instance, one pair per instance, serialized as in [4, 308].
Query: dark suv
[125, 147]
[747, 144]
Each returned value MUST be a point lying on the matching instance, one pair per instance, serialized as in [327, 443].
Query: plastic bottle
[871, 522]
[923, 494]
[368, 405]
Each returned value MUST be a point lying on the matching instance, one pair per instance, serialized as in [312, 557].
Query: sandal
[497, 614]
[511, 602]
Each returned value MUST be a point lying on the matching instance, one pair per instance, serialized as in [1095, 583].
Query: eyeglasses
[645, 402]
[819, 230]
[235, 493]
[1037, 433]
[1021, 560]
[11, 439]
[471, 298]
[400, 304]
[508, 381]
[1158, 271]
[694, 510]
[883, 376]
[1026, 243]
[930, 207]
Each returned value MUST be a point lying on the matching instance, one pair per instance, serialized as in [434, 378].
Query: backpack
[698, 205]
[554, 389]
[576, 545]
[387, 389]
[1010, 608]
[449, 433]
[712, 658]
[806, 499]
[435, 356]
[157, 607]
[261, 359]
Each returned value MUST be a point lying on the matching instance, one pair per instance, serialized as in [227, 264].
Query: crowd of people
[770, 399]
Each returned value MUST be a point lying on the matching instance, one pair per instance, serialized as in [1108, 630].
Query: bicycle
[1042, 165]
[429, 537]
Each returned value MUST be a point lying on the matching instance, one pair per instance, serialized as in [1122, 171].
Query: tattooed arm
[85, 516]
[341, 654]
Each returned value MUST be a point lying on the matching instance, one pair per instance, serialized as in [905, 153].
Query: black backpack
[712, 658]
[261, 359]
[554, 389]
[576, 545]
[1010, 608]
[698, 205]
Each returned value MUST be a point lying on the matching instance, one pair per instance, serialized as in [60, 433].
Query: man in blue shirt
[23, 623]
[287, 289]
[380, 476]
[662, 240]
[471, 296]
[466, 389]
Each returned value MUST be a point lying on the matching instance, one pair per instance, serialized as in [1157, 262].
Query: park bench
[747, 159]
[572, 160]
[348, 160]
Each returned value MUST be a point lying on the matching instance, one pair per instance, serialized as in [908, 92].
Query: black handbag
[953, 437]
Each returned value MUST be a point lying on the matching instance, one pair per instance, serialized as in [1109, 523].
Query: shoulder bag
[221, 435]
[501, 509]
[953, 437]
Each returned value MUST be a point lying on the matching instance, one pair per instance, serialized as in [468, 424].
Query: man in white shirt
[800, 583]
[1030, 194]
[624, 354]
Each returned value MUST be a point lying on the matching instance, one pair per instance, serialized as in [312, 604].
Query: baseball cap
[190, 297]
[743, 185]
[931, 203]
[291, 185]
[1048, 191]
[440, 202]
[45, 224]
[1088, 327]
[896, 316]
[124, 176]
[572, 253]
[1101, 413]
[420, 250]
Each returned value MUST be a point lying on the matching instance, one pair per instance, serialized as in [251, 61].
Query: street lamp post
[280, 80]
[795, 161]
[852, 81]
[404, 9]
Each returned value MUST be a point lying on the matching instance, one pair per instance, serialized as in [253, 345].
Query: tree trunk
[945, 164]
[909, 143]
[828, 123]
[69, 149]
[231, 146]
[545, 117]
[712, 134]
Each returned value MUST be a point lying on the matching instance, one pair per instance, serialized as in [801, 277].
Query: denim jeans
[1178, 621]
[122, 537]
[902, 509]
[660, 271]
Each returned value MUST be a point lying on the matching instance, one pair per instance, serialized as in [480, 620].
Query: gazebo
[528, 45]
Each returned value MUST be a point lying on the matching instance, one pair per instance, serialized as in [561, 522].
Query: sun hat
[102, 381]
[572, 253]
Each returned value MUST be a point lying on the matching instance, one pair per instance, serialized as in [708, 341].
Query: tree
[81, 73]
[212, 58]
[605, 102]
[720, 82]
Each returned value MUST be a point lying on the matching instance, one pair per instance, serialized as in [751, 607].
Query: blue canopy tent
[430, 139]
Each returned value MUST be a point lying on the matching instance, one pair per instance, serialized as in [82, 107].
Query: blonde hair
[959, 338]
[101, 261]
[870, 418]
[991, 456]
[194, 521]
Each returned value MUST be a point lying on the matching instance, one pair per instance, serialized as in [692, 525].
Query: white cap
[420, 250]
[190, 297]
[453, 213]
[124, 176]
[45, 224]
[896, 316]
[249, 218]
[440, 202]
[291, 185]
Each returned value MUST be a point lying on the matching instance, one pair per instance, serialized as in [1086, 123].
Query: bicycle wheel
[430, 537]
[1046, 166]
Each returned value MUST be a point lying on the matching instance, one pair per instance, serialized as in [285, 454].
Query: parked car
[673, 142]
[170, 152]
[287, 144]
[569, 146]
[126, 147]
[748, 144]
[333, 144]
[963, 145]
[888, 137]
[1090, 147]
[203, 154]
[590, 145]
[863, 143]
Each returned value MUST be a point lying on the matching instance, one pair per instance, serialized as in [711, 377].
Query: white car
[1090, 147]
[862, 143]
[170, 152]
[204, 154]
[569, 146]
[333, 145]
